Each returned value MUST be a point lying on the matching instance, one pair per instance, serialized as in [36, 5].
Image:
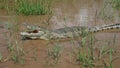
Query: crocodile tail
[104, 27]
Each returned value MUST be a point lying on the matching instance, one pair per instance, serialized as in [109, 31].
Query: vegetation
[83, 53]
[116, 4]
[16, 53]
[41, 7]
[86, 56]
[54, 54]
[27, 7]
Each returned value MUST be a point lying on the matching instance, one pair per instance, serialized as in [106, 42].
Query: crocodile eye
[35, 31]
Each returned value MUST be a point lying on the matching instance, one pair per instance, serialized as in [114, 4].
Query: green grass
[30, 8]
[27, 7]
[86, 56]
[111, 58]
[116, 4]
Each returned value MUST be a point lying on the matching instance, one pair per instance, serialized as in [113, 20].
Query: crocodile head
[34, 34]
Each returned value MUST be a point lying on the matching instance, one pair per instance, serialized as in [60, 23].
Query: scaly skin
[38, 32]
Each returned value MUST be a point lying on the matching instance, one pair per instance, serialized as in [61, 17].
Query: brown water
[66, 13]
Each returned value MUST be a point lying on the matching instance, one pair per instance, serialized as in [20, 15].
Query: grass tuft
[30, 8]
[116, 4]
[54, 55]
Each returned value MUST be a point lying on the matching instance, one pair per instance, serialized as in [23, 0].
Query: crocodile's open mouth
[34, 31]
[34, 34]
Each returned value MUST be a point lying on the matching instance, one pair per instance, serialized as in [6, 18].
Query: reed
[53, 55]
